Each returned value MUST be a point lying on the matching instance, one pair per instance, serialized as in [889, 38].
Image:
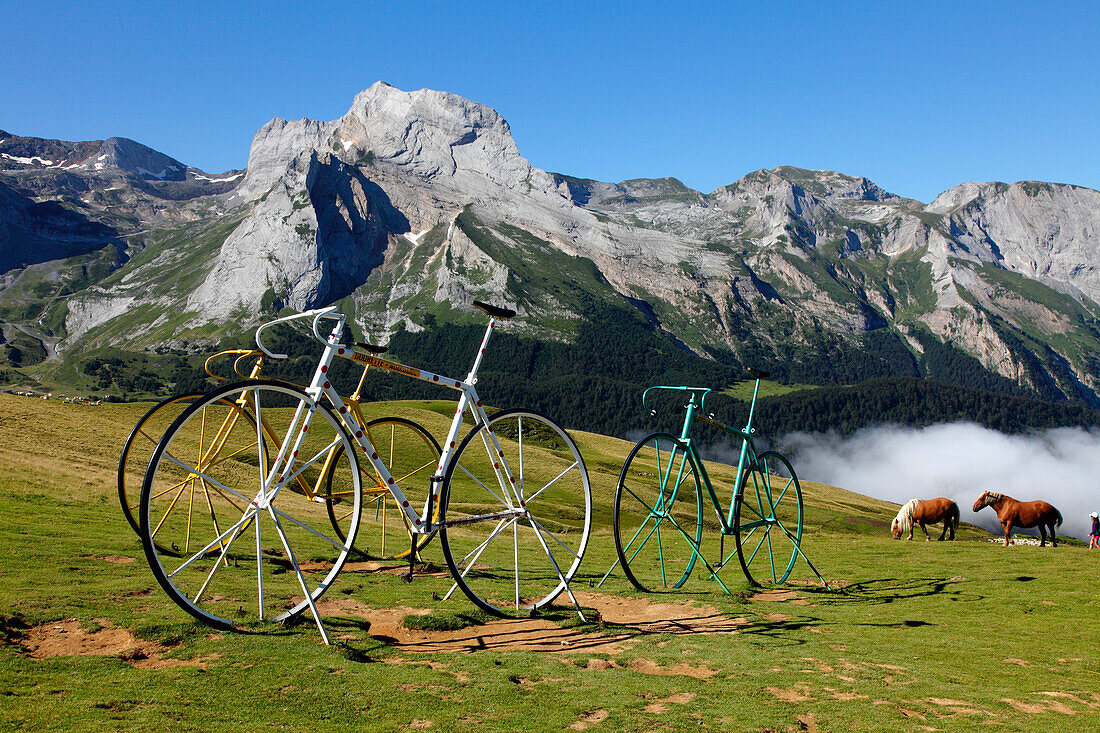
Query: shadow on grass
[889, 590]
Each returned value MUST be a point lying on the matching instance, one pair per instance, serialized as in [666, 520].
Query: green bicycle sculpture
[659, 514]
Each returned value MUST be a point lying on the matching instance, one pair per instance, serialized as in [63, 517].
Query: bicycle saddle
[494, 311]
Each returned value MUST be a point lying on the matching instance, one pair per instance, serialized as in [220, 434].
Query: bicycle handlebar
[241, 354]
[702, 391]
[316, 314]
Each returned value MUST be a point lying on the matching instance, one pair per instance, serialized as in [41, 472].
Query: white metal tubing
[472, 378]
[468, 400]
[316, 313]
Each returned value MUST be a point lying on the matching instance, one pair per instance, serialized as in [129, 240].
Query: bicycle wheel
[514, 545]
[768, 520]
[231, 490]
[411, 455]
[658, 515]
[139, 447]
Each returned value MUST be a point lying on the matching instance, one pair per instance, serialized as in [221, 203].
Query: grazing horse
[926, 511]
[1025, 514]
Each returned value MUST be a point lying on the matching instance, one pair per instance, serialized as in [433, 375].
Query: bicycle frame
[692, 411]
[468, 400]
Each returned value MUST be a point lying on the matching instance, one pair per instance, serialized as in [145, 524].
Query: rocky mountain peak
[138, 160]
[429, 133]
[275, 146]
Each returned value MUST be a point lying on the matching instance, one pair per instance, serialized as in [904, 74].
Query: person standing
[1094, 533]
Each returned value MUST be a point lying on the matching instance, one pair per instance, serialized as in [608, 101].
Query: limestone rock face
[274, 149]
[1045, 231]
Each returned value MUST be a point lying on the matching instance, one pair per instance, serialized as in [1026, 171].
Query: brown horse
[1025, 514]
[926, 511]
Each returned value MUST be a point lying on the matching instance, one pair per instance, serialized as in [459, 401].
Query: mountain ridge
[413, 204]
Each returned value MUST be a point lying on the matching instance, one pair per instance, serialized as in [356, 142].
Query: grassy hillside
[915, 636]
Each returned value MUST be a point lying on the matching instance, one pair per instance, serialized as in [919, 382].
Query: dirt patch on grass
[662, 705]
[661, 618]
[780, 595]
[638, 615]
[1040, 707]
[798, 693]
[1078, 698]
[528, 634]
[587, 720]
[70, 638]
[119, 559]
[959, 707]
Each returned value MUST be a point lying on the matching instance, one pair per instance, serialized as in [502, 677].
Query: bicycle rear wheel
[411, 455]
[658, 515]
[768, 520]
[515, 545]
[233, 492]
[139, 447]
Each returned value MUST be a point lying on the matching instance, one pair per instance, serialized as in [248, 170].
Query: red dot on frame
[372, 455]
[404, 503]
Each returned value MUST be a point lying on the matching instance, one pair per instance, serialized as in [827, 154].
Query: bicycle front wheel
[658, 516]
[768, 520]
[515, 543]
[411, 455]
[233, 492]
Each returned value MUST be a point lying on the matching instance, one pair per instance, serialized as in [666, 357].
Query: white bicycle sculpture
[239, 527]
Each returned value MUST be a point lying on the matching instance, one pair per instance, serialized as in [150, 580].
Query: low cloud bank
[959, 461]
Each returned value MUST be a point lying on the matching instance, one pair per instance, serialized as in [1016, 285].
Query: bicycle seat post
[752, 406]
[689, 414]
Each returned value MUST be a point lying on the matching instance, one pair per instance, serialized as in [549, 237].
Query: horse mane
[905, 515]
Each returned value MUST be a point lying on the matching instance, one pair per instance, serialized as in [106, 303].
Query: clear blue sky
[916, 96]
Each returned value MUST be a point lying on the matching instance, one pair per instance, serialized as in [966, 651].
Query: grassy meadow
[913, 636]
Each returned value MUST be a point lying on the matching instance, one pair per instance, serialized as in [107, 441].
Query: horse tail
[953, 516]
[1058, 521]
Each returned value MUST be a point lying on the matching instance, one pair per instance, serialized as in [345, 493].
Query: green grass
[948, 636]
[742, 391]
